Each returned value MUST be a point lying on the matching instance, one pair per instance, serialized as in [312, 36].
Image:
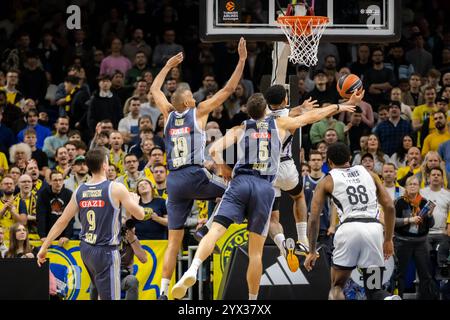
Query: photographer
[130, 247]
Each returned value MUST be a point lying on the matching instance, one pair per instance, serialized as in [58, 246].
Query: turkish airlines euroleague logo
[92, 204]
[230, 6]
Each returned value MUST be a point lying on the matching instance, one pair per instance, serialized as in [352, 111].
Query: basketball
[347, 84]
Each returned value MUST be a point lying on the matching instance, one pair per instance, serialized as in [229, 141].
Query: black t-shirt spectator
[329, 95]
[404, 209]
[148, 229]
[355, 133]
[373, 76]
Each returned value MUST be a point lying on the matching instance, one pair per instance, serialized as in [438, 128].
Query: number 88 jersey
[354, 193]
[184, 139]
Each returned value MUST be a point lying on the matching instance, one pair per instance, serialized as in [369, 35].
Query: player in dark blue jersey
[185, 139]
[250, 194]
[98, 202]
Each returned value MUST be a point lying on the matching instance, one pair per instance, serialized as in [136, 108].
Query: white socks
[278, 239]
[194, 266]
[165, 286]
[252, 296]
[301, 231]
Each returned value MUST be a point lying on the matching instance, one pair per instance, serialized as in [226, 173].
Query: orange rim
[301, 21]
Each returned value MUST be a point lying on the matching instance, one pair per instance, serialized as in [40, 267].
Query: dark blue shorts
[248, 197]
[103, 266]
[186, 185]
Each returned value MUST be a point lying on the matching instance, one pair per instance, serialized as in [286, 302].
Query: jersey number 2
[357, 195]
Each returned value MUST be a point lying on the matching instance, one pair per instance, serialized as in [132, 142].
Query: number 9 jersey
[354, 193]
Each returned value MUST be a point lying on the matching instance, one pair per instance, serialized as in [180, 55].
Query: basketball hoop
[303, 34]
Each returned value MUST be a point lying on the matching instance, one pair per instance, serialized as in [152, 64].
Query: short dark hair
[72, 79]
[256, 106]
[275, 95]
[95, 159]
[438, 169]
[338, 153]
[367, 155]
[129, 155]
[53, 172]
[30, 132]
[156, 148]
[73, 132]
[79, 145]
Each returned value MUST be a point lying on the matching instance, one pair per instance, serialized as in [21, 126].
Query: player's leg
[177, 212]
[339, 278]
[107, 274]
[254, 270]
[300, 216]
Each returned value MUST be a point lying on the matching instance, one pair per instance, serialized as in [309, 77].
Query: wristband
[338, 107]
[133, 241]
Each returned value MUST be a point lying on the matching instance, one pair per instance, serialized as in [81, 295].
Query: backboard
[350, 20]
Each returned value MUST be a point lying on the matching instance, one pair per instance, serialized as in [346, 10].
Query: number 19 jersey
[184, 139]
[354, 193]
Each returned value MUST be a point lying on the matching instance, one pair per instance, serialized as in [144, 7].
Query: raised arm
[207, 106]
[223, 143]
[160, 98]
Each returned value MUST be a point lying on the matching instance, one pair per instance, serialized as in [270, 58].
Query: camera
[129, 225]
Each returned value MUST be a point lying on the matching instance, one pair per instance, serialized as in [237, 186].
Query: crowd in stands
[63, 92]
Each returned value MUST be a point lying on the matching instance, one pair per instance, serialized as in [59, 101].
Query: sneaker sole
[180, 288]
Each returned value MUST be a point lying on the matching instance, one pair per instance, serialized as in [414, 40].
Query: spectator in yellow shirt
[441, 135]
[3, 165]
[413, 161]
[422, 112]
[10, 212]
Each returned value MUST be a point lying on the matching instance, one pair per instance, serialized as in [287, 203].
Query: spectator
[132, 174]
[112, 172]
[148, 108]
[78, 48]
[10, 210]
[321, 92]
[160, 175]
[29, 197]
[441, 197]
[406, 112]
[209, 84]
[361, 65]
[318, 129]
[71, 151]
[8, 138]
[432, 80]
[236, 100]
[368, 162]
[430, 161]
[3, 247]
[420, 58]
[4, 167]
[220, 115]
[38, 155]
[146, 146]
[444, 153]
[378, 81]
[19, 243]
[167, 49]
[52, 143]
[136, 72]
[33, 171]
[399, 157]
[355, 129]
[441, 135]
[154, 225]
[51, 202]
[391, 130]
[144, 134]
[113, 27]
[63, 165]
[156, 157]
[374, 148]
[32, 123]
[93, 69]
[136, 45]
[75, 103]
[367, 116]
[414, 97]
[397, 62]
[19, 155]
[79, 174]
[389, 175]
[117, 155]
[411, 232]
[13, 96]
[14, 173]
[423, 112]
[50, 57]
[169, 87]
[330, 136]
[129, 126]
[33, 79]
[74, 135]
[412, 167]
[104, 105]
[118, 87]
[115, 61]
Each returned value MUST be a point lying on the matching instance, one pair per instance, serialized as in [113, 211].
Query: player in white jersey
[358, 241]
[288, 177]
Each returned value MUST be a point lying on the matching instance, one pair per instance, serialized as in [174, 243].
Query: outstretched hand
[309, 104]
[356, 97]
[175, 60]
[242, 49]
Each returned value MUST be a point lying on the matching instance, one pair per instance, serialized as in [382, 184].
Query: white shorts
[287, 177]
[358, 244]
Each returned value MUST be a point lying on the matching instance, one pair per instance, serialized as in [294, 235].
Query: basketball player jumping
[98, 202]
[250, 194]
[185, 139]
[358, 241]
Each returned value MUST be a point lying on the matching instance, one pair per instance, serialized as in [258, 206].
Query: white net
[303, 34]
